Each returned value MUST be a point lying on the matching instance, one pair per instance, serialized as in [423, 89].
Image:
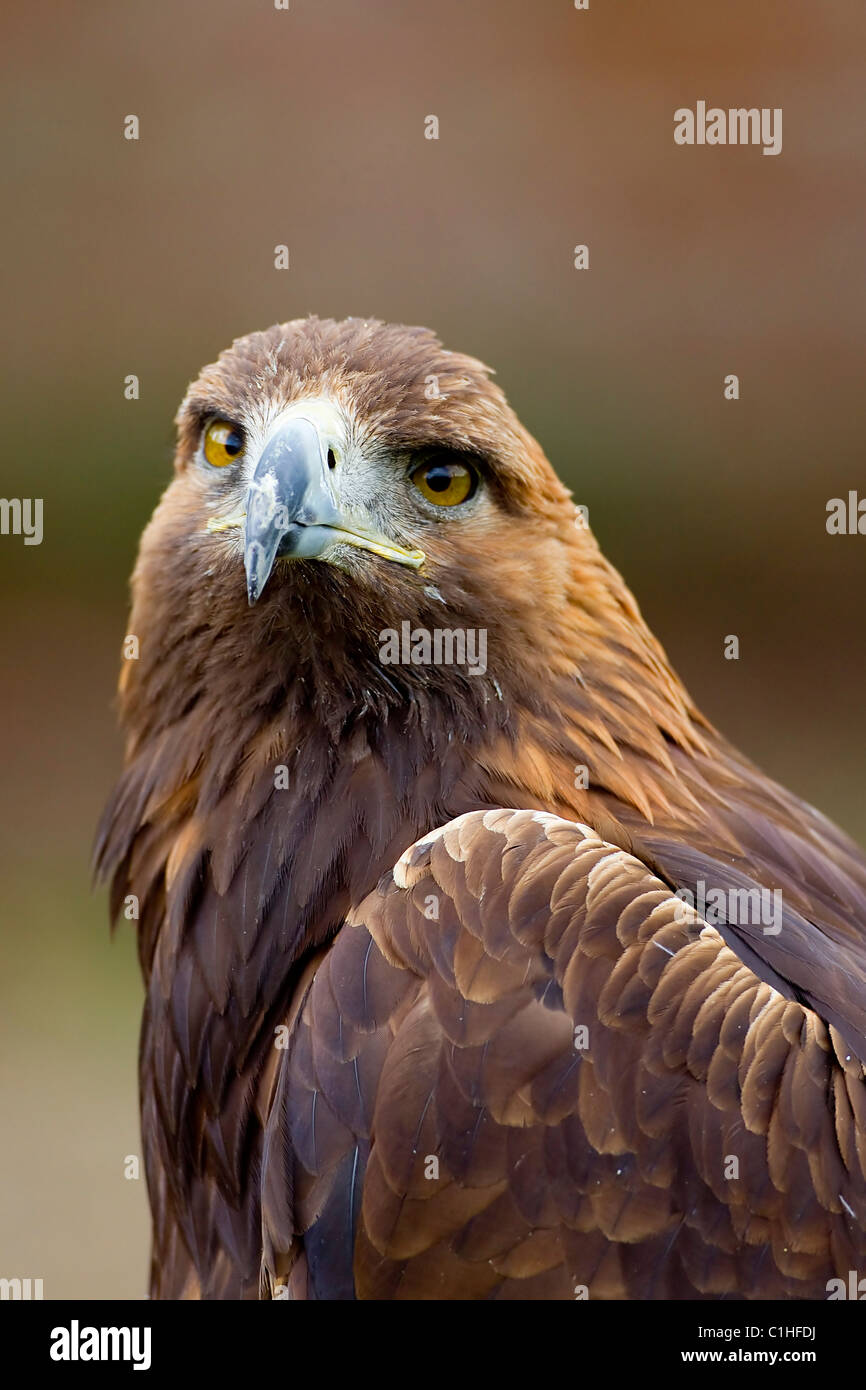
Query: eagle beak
[293, 511]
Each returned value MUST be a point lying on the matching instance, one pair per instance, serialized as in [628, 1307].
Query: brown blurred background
[306, 127]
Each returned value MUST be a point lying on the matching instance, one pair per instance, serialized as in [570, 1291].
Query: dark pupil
[439, 477]
[232, 443]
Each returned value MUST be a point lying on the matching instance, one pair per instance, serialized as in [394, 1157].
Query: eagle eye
[223, 443]
[446, 481]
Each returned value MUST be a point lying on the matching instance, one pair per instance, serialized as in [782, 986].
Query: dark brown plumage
[362, 1070]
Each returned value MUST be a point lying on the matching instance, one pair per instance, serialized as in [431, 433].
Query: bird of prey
[478, 965]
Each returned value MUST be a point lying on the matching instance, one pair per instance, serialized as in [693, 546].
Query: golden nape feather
[477, 964]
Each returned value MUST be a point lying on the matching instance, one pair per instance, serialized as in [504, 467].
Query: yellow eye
[446, 482]
[223, 443]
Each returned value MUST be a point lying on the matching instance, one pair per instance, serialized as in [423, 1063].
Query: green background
[306, 127]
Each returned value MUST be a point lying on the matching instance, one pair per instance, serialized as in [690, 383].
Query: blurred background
[306, 127]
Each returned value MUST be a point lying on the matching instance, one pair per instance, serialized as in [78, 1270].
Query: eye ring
[445, 480]
[223, 443]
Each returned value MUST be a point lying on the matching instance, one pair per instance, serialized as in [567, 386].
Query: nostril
[332, 460]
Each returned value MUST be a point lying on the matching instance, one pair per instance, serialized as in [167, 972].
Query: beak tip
[254, 586]
[254, 589]
[258, 564]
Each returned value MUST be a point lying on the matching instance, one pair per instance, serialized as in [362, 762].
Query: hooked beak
[293, 510]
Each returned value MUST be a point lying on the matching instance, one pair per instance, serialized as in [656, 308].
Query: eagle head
[344, 479]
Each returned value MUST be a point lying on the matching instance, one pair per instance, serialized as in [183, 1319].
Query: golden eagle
[477, 964]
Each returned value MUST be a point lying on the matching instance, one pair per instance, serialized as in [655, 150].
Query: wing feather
[535, 1073]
